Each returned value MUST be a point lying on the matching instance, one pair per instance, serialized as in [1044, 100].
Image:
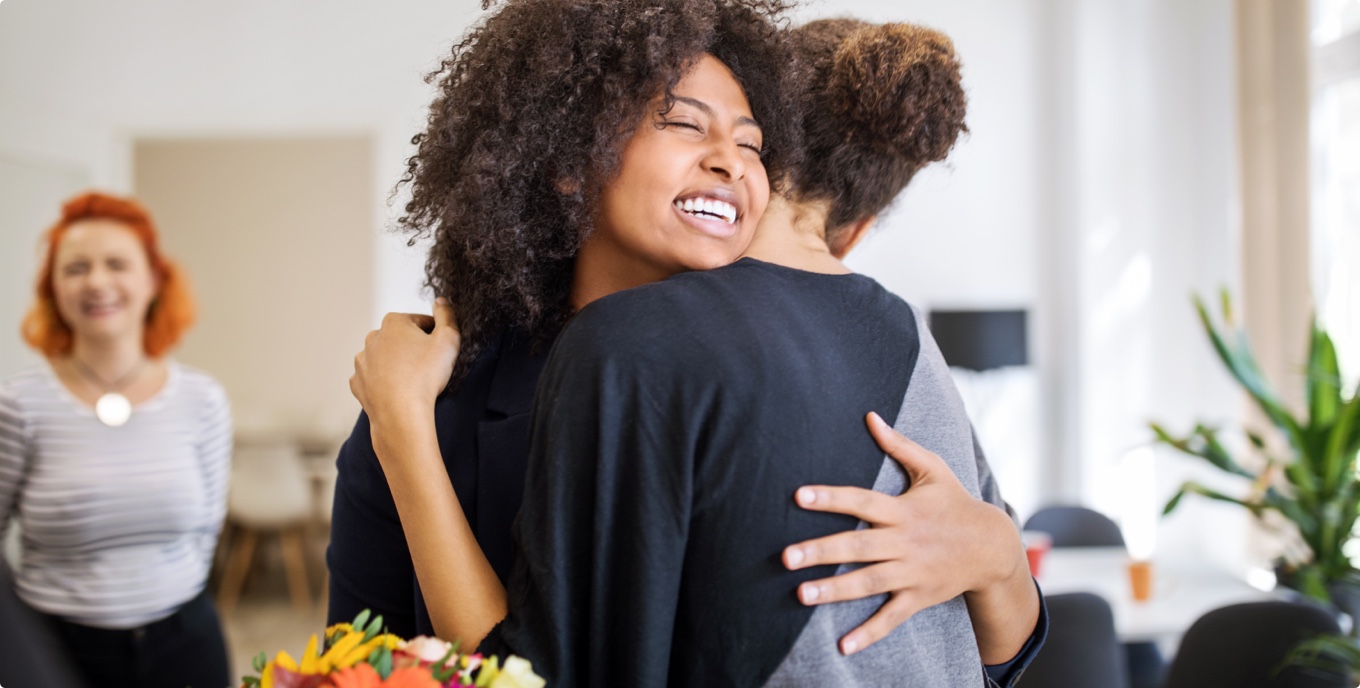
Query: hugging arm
[370, 566]
[934, 544]
[397, 377]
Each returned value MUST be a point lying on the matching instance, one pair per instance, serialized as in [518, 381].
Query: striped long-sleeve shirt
[119, 524]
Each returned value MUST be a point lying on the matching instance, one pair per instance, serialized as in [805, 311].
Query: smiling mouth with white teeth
[709, 208]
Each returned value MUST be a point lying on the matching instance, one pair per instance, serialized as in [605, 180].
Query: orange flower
[364, 676]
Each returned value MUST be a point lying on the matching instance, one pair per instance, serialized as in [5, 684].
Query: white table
[1181, 592]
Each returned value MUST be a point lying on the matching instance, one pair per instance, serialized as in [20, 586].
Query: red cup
[1037, 544]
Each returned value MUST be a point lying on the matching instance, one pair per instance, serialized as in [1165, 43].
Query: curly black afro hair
[534, 107]
[881, 102]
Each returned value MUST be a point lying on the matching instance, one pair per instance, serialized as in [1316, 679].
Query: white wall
[1145, 198]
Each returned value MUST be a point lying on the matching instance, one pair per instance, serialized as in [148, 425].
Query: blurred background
[1123, 155]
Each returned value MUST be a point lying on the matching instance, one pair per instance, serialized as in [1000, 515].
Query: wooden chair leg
[295, 564]
[238, 563]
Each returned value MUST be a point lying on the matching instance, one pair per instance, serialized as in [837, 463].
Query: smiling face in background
[690, 188]
[102, 280]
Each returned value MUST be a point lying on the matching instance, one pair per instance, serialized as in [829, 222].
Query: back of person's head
[881, 102]
[170, 313]
[534, 107]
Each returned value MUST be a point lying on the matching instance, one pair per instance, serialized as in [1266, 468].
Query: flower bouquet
[361, 655]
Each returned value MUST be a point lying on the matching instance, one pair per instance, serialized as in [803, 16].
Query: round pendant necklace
[112, 409]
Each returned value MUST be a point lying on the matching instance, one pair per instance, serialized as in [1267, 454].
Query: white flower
[427, 649]
[517, 673]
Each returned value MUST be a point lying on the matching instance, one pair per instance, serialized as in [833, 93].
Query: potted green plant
[1314, 484]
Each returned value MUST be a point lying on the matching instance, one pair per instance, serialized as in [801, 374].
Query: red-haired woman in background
[114, 458]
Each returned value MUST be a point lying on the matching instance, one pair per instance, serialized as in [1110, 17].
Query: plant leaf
[1338, 456]
[1244, 368]
[1174, 501]
[1322, 384]
[1332, 653]
[1196, 488]
[1202, 442]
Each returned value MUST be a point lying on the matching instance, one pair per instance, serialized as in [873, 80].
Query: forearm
[1005, 613]
[464, 597]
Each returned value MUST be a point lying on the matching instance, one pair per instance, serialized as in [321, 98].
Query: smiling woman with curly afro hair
[534, 107]
[565, 139]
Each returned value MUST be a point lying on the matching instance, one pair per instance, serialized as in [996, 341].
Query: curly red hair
[171, 311]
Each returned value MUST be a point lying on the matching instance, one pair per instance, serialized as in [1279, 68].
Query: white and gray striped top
[119, 524]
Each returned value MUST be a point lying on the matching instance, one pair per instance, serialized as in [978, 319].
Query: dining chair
[1078, 526]
[270, 494]
[1245, 645]
[1082, 650]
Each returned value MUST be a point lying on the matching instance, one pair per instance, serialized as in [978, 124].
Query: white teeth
[709, 206]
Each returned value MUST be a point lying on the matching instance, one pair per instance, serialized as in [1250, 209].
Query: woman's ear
[850, 236]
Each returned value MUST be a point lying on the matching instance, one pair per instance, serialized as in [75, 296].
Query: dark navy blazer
[483, 431]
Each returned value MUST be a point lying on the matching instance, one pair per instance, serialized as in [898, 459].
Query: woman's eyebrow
[703, 107]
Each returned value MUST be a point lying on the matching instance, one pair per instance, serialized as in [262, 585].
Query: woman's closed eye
[682, 124]
[757, 148]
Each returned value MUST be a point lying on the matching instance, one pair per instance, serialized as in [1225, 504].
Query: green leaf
[360, 620]
[1338, 456]
[1256, 440]
[1312, 583]
[250, 681]
[443, 672]
[383, 664]
[1323, 382]
[1244, 368]
[1302, 476]
[1333, 653]
[374, 628]
[259, 662]
[1202, 442]
[1174, 502]
[1196, 488]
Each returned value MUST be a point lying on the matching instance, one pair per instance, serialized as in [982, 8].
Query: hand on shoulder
[406, 363]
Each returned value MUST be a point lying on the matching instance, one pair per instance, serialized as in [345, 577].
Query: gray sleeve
[933, 415]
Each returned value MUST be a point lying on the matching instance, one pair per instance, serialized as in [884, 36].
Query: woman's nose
[725, 160]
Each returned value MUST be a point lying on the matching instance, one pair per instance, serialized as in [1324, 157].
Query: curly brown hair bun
[882, 101]
[534, 107]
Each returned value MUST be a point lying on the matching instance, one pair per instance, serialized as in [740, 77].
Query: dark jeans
[184, 650]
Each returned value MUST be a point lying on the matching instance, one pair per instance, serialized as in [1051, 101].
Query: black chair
[1244, 644]
[1077, 526]
[1082, 650]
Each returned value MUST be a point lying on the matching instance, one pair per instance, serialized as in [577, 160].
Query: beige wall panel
[276, 236]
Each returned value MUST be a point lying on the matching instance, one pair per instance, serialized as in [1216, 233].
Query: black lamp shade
[981, 340]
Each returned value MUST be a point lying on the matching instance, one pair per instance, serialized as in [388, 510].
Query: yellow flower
[340, 651]
[285, 660]
[309, 657]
